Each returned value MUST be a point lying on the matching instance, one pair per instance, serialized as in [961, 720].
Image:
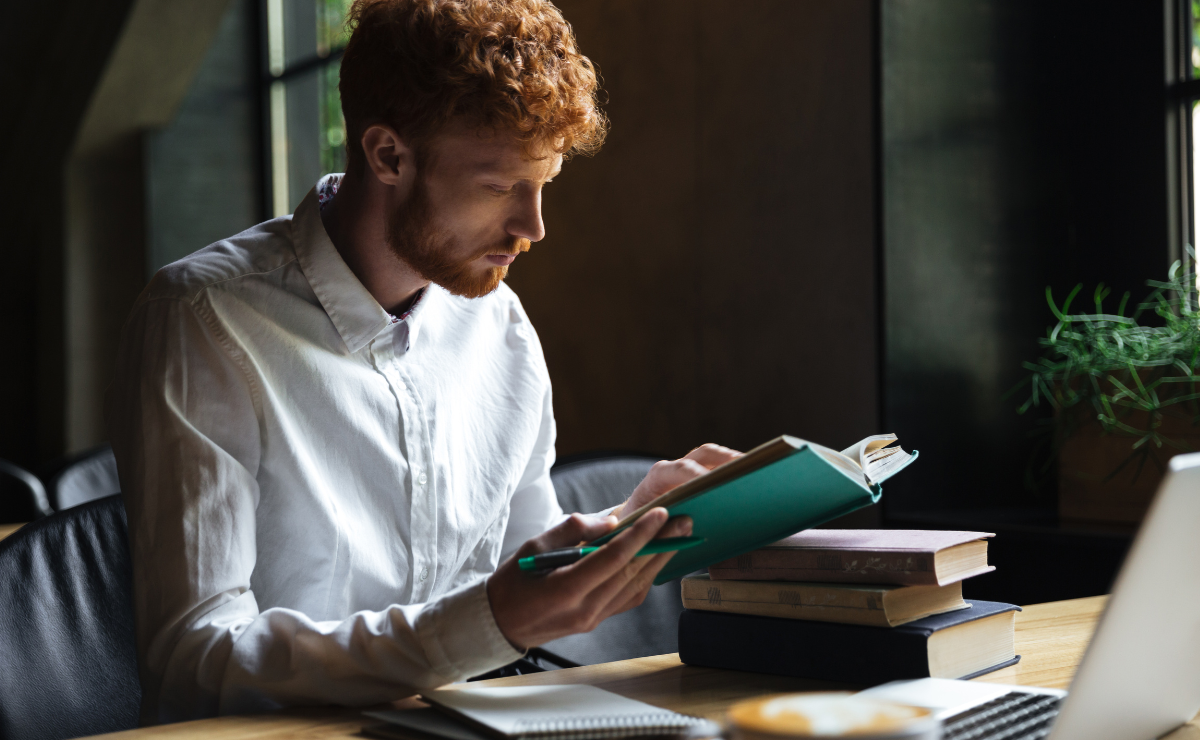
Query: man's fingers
[636, 576]
[601, 565]
[619, 596]
[667, 474]
[575, 529]
[711, 455]
[578, 597]
[636, 590]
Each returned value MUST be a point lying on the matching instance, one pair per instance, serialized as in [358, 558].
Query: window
[1191, 115]
[306, 135]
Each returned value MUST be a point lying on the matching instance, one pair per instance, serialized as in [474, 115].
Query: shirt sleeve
[184, 420]
[534, 507]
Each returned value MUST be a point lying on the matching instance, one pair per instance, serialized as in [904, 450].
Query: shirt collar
[412, 317]
[355, 313]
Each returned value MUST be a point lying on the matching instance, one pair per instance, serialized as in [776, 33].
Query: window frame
[274, 74]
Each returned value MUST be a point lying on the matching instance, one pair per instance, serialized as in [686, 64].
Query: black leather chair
[22, 496]
[87, 476]
[68, 658]
[590, 485]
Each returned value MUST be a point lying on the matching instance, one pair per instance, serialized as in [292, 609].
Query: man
[334, 430]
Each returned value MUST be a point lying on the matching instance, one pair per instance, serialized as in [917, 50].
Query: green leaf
[1070, 297]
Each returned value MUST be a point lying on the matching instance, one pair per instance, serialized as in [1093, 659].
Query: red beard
[412, 237]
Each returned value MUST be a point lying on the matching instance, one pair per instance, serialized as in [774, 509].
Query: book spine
[829, 566]
[785, 647]
[787, 601]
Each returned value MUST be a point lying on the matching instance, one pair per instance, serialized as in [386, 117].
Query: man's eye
[500, 189]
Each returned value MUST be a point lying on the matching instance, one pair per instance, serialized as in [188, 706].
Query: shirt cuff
[460, 636]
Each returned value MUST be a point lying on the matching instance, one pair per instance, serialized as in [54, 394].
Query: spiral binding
[585, 728]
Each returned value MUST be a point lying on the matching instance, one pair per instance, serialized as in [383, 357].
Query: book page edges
[912, 456]
[970, 646]
[959, 577]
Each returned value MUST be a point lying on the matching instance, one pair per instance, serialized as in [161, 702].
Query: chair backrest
[22, 495]
[68, 657]
[650, 629]
[89, 476]
[590, 483]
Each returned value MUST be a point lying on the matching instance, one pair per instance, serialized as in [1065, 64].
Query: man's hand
[534, 609]
[667, 474]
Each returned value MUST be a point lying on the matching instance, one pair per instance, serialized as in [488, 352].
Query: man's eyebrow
[495, 167]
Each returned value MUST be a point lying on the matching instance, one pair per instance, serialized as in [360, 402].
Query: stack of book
[860, 606]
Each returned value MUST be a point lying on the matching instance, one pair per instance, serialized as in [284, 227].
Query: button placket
[429, 501]
[387, 365]
[379, 356]
[423, 516]
[383, 358]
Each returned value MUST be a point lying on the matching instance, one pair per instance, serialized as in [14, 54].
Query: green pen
[547, 561]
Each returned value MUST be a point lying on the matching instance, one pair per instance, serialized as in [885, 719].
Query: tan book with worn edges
[906, 557]
[847, 603]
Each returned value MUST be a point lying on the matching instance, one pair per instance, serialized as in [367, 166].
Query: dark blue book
[959, 644]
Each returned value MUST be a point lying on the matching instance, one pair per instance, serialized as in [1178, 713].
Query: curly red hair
[509, 65]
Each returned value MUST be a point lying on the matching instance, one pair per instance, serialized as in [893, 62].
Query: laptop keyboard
[1014, 716]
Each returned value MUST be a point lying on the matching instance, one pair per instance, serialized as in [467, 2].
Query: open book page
[849, 465]
[878, 457]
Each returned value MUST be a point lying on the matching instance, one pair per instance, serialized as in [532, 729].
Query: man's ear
[392, 161]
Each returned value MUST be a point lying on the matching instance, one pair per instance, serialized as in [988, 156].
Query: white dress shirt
[316, 490]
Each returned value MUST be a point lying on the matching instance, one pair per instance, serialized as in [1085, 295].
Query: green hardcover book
[772, 491]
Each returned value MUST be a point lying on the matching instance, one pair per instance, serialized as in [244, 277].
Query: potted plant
[1125, 396]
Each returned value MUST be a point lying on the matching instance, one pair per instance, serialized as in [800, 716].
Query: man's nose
[526, 221]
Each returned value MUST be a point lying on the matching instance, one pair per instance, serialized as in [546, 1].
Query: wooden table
[1051, 639]
[7, 529]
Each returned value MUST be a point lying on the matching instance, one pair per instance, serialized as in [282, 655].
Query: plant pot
[1099, 482]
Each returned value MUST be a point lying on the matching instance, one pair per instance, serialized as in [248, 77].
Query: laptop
[1140, 676]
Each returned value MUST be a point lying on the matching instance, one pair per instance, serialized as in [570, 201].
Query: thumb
[575, 529]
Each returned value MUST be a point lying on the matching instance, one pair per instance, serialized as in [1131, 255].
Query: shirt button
[421, 479]
[424, 574]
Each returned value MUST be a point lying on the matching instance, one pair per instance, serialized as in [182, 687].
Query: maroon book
[907, 557]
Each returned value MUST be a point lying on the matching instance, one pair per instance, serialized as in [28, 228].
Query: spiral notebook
[567, 712]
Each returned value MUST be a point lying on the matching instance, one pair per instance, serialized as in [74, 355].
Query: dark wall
[82, 83]
[711, 274]
[203, 170]
[50, 61]
[1025, 146]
